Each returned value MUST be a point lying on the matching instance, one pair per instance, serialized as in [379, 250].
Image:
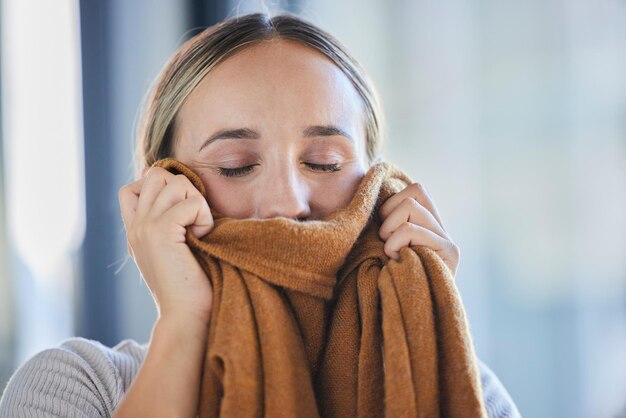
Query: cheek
[233, 201]
[336, 194]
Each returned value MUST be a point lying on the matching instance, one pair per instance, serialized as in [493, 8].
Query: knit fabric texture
[312, 319]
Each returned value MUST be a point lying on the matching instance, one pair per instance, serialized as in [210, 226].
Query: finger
[192, 211]
[409, 210]
[417, 192]
[178, 188]
[128, 196]
[155, 180]
[408, 235]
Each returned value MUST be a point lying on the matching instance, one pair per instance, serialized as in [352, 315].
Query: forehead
[275, 79]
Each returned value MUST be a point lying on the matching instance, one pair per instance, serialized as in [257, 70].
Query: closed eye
[236, 172]
[324, 167]
[242, 171]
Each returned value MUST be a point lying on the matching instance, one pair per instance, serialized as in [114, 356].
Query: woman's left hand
[410, 218]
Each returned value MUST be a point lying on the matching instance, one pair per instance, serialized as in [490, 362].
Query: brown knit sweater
[312, 319]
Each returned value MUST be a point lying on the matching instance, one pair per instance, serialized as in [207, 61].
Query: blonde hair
[200, 54]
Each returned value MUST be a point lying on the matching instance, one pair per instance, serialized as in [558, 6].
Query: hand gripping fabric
[312, 319]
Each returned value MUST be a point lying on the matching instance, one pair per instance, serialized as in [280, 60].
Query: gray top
[84, 378]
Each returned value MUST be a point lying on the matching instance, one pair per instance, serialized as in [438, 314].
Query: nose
[284, 194]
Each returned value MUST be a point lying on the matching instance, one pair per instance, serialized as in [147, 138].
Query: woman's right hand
[156, 210]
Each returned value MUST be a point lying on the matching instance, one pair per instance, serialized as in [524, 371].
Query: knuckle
[124, 191]
[156, 170]
[152, 172]
[156, 174]
[405, 227]
[182, 182]
[455, 250]
[411, 202]
[194, 201]
[418, 187]
[198, 198]
[179, 178]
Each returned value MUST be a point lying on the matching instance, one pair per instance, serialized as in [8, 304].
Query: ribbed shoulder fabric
[84, 378]
[78, 378]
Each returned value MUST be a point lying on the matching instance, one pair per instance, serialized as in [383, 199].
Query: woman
[278, 120]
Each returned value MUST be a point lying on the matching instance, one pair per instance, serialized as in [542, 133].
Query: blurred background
[513, 114]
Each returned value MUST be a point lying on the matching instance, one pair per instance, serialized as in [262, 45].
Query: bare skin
[290, 142]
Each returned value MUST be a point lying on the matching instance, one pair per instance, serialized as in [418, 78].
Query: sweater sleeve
[79, 378]
[498, 402]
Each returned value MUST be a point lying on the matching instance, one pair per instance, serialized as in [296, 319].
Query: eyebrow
[247, 133]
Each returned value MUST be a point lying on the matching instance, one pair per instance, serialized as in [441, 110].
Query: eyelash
[242, 171]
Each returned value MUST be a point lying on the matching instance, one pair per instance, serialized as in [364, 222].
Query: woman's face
[275, 130]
